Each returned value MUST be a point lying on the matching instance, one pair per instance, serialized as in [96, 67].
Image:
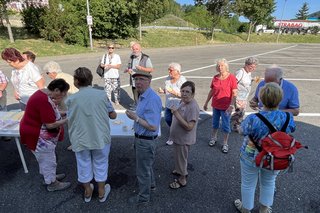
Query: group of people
[42, 125]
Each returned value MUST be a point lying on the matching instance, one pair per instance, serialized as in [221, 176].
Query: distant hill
[170, 20]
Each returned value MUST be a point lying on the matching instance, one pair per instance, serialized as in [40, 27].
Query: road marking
[286, 65]
[248, 113]
[289, 79]
[229, 61]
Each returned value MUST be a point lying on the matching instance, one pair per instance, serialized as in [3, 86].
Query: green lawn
[151, 38]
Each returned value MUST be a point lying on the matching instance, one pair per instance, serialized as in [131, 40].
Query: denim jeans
[145, 156]
[168, 116]
[225, 118]
[249, 178]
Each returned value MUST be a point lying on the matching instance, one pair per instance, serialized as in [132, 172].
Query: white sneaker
[169, 142]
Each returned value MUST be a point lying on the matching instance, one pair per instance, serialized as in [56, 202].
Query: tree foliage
[230, 25]
[256, 11]
[199, 16]
[303, 12]
[31, 17]
[217, 9]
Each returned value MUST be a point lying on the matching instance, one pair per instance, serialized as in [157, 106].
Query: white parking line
[200, 68]
[289, 79]
[248, 113]
[284, 65]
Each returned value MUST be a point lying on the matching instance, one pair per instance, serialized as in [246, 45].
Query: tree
[31, 17]
[199, 16]
[5, 16]
[256, 11]
[303, 12]
[217, 10]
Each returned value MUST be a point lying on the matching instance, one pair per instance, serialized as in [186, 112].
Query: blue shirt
[149, 109]
[290, 99]
[255, 127]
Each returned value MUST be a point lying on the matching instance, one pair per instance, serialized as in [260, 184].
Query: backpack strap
[285, 125]
[271, 128]
[241, 76]
[266, 122]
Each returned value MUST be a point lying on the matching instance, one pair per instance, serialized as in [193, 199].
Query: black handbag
[100, 70]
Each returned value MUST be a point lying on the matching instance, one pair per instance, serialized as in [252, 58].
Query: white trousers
[47, 164]
[93, 164]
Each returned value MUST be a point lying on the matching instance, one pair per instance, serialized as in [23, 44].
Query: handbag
[100, 70]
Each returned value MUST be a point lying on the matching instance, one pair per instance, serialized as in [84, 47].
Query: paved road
[214, 178]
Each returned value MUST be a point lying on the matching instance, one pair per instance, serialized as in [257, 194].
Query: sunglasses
[110, 47]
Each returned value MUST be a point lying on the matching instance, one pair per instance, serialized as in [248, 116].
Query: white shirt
[113, 59]
[24, 81]
[172, 99]
[244, 80]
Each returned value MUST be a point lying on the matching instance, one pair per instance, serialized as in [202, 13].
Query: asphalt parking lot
[214, 177]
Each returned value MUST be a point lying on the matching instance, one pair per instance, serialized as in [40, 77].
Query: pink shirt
[222, 91]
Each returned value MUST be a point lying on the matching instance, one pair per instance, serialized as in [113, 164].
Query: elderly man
[137, 61]
[146, 127]
[290, 99]
[53, 70]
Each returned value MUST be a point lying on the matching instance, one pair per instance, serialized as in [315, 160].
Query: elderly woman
[183, 132]
[223, 93]
[40, 129]
[172, 90]
[53, 70]
[270, 96]
[111, 63]
[244, 80]
[89, 111]
[25, 76]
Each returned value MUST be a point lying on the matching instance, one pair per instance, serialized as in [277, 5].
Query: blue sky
[291, 7]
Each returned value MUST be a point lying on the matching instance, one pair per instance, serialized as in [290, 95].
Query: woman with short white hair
[53, 70]
[172, 90]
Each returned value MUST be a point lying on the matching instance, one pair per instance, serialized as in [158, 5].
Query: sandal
[176, 184]
[238, 205]
[88, 199]
[225, 148]
[212, 141]
[107, 190]
[174, 172]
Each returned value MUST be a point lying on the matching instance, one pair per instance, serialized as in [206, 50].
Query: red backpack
[277, 148]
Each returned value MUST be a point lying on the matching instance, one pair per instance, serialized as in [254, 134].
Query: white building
[19, 5]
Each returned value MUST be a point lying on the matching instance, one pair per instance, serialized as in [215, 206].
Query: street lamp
[89, 22]
[284, 6]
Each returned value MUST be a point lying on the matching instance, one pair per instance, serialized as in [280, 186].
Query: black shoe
[136, 201]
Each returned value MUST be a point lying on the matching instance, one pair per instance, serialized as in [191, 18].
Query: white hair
[274, 71]
[223, 60]
[52, 66]
[175, 66]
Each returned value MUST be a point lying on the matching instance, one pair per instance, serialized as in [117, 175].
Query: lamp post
[284, 6]
[89, 22]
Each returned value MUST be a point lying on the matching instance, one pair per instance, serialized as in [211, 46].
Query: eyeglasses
[110, 47]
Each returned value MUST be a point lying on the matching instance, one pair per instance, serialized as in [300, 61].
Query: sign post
[89, 22]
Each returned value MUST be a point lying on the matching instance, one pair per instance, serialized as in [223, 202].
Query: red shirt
[38, 111]
[222, 91]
